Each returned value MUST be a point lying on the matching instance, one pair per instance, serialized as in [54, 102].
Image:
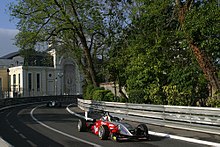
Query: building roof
[10, 55]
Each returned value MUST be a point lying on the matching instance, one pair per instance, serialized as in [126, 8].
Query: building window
[14, 79]
[29, 82]
[19, 81]
[38, 82]
[0, 83]
[14, 82]
[0, 87]
[9, 83]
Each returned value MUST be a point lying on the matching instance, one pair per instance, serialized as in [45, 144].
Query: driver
[107, 117]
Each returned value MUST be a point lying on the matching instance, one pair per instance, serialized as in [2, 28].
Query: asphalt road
[30, 126]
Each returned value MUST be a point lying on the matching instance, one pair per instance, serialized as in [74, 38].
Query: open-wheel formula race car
[54, 103]
[114, 128]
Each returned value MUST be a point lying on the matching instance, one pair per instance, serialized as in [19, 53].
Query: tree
[200, 23]
[36, 58]
[155, 58]
[73, 24]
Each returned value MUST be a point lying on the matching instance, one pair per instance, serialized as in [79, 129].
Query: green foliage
[76, 27]
[101, 95]
[176, 97]
[98, 95]
[154, 94]
[122, 99]
[95, 89]
[154, 55]
[110, 97]
[88, 92]
[213, 102]
[136, 96]
[140, 44]
[202, 26]
[36, 58]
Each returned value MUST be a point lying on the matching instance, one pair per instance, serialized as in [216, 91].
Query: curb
[3, 143]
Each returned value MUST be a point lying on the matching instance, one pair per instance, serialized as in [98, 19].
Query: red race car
[114, 128]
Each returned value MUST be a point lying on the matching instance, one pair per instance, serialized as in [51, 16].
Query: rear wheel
[81, 125]
[142, 131]
[103, 132]
[60, 104]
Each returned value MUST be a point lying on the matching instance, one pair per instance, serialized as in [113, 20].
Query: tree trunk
[90, 67]
[207, 68]
[79, 31]
[87, 53]
[121, 91]
[202, 59]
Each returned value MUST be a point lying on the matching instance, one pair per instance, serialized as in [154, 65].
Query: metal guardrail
[189, 118]
[22, 100]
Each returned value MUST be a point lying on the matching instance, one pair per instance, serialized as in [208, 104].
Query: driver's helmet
[107, 117]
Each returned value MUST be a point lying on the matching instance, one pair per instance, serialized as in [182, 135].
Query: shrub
[213, 102]
[100, 95]
[87, 93]
[177, 96]
[136, 96]
[109, 96]
[97, 95]
[122, 99]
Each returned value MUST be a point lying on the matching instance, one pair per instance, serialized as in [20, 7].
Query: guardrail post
[164, 113]
[190, 114]
[86, 114]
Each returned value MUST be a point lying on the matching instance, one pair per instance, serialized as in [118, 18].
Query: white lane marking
[12, 126]
[12, 106]
[31, 143]
[16, 130]
[22, 136]
[192, 140]
[60, 132]
[8, 114]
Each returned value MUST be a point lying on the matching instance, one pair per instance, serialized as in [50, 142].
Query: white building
[63, 78]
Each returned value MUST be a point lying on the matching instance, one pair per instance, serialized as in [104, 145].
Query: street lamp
[8, 81]
[56, 86]
[60, 75]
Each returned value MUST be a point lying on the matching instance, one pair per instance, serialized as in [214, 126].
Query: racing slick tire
[59, 104]
[103, 132]
[47, 104]
[81, 125]
[142, 131]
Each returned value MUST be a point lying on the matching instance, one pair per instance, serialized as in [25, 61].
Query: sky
[7, 29]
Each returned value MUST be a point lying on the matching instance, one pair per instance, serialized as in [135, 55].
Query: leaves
[141, 45]
[159, 60]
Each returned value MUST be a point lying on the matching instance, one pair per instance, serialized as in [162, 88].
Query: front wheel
[81, 125]
[142, 131]
[103, 132]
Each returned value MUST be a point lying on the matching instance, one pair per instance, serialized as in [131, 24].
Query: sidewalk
[3, 143]
[164, 131]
